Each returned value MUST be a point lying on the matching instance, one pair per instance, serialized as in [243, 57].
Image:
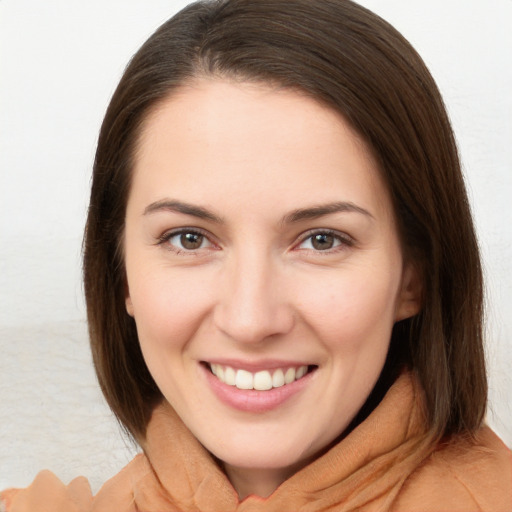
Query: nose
[253, 304]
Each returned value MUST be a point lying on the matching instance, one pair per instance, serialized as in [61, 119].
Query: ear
[129, 305]
[410, 297]
[128, 300]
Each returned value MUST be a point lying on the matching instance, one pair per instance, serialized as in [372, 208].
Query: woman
[280, 313]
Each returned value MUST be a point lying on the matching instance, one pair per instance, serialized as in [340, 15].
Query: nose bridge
[253, 303]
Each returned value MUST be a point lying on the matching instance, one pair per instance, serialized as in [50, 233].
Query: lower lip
[251, 400]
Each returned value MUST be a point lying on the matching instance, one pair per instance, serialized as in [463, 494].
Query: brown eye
[191, 241]
[322, 241]
[185, 240]
[325, 241]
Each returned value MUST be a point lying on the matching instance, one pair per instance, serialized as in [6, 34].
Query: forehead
[211, 139]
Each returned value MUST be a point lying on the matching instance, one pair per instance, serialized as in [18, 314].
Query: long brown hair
[350, 59]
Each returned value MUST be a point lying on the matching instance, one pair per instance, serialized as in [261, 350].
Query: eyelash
[342, 239]
[167, 236]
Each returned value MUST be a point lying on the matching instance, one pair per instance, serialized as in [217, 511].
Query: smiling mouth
[262, 380]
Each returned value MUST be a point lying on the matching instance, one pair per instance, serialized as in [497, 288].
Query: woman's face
[261, 244]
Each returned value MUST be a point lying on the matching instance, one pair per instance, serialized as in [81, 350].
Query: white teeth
[289, 376]
[243, 380]
[229, 376]
[261, 381]
[301, 371]
[278, 378]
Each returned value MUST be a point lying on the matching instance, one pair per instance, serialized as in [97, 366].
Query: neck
[260, 482]
[263, 482]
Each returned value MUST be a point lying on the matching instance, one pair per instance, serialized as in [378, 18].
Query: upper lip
[260, 365]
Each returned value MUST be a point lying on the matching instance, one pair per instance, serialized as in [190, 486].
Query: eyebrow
[181, 207]
[298, 215]
[315, 212]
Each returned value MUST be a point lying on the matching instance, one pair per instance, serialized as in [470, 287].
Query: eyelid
[170, 233]
[345, 239]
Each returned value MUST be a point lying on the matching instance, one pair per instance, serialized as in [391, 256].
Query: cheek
[354, 308]
[168, 309]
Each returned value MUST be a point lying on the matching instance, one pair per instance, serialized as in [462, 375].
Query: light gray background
[59, 63]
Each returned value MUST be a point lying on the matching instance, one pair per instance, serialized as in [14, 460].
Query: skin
[256, 289]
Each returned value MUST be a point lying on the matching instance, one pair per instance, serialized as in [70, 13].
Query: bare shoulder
[462, 475]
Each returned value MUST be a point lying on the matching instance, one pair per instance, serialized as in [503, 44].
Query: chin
[284, 453]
